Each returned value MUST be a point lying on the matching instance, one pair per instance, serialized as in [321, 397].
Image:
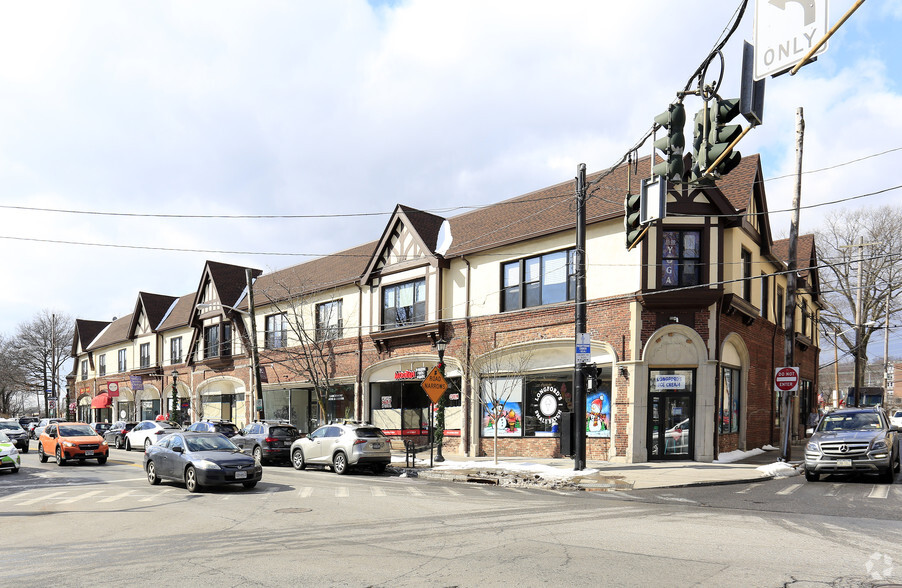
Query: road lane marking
[749, 489]
[452, 492]
[118, 496]
[414, 491]
[342, 492]
[81, 496]
[305, 492]
[377, 491]
[881, 491]
[789, 489]
[834, 491]
[40, 498]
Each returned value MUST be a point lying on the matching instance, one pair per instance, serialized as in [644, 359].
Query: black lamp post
[175, 395]
[440, 346]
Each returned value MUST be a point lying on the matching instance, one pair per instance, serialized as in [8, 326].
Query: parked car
[39, 428]
[115, 435]
[267, 440]
[200, 459]
[895, 418]
[66, 441]
[9, 455]
[343, 446]
[853, 440]
[146, 433]
[16, 434]
[101, 428]
[227, 428]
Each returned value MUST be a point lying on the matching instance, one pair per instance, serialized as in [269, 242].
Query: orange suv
[67, 441]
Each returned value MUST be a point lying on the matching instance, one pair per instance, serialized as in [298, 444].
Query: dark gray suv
[853, 440]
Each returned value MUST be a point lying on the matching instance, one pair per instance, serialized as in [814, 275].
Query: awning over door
[101, 401]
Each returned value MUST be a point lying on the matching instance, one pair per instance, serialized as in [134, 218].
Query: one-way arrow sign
[785, 30]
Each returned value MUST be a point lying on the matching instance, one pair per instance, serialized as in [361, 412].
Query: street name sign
[785, 30]
[786, 379]
[435, 384]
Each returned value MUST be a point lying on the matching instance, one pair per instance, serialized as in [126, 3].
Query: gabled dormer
[85, 332]
[215, 312]
[405, 278]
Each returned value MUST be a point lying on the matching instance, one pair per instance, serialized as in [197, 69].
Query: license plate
[376, 445]
[89, 452]
[844, 463]
[240, 475]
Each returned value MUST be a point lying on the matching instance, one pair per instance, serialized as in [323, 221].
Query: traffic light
[591, 372]
[673, 119]
[720, 134]
[700, 147]
[631, 220]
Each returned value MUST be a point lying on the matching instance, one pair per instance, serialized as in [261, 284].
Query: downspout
[465, 377]
[360, 393]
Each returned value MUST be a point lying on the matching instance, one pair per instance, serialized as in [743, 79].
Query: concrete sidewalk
[598, 476]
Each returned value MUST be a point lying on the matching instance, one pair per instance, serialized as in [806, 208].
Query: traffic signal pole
[579, 378]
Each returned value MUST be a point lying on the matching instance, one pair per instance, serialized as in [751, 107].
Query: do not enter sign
[786, 379]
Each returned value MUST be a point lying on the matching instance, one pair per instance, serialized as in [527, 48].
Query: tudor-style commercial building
[686, 329]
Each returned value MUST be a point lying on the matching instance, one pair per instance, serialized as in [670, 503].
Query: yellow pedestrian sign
[435, 384]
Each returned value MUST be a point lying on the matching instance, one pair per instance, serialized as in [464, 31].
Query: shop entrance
[671, 415]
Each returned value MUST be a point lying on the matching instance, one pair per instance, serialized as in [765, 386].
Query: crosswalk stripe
[789, 489]
[40, 498]
[305, 492]
[881, 491]
[81, 496]
[749, 489]
[414, 491]
[452, 492]
[377, 491]
[118, 496]
[342, 492]
[833, 491]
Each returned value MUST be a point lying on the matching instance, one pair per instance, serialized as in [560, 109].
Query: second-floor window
[534, 281]
[328, 320]
[404, 304]
[123, 366]
[218, 340]
[681, 259]
[101, 364]
[84, 369]
[745, 257]
[145, 355]
[276, 331]
[175, 350]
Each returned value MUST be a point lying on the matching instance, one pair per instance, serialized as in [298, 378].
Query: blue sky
[323, 108]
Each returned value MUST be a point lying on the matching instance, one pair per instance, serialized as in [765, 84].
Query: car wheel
[297, 459]
[118, 442]
[101, 460]
[258, 453]
[152, 476]
[25, 449]
[41, 455]
[249, 485]
[128, 444]
[812, 476]
[191, 480]
[340, 463]
[15, 470]
[147, 444]
[60, 460]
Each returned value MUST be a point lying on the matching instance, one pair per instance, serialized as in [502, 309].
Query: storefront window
[527, 407]
[402, 408]
[598, 406]
[729, 400]
[297, 406]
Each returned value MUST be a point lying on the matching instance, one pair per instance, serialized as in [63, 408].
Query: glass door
[671, 410]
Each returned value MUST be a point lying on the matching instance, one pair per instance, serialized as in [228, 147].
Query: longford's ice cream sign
[670, 382]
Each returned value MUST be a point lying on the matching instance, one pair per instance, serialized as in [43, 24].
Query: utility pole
[255, 355]
[886, 351]
[790, 307]
[836, 367]
[579, 378]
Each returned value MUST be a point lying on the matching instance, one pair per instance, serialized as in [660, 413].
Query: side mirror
[178, 449]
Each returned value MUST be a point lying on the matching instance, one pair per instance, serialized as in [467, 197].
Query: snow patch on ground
[539, 470]
[779, 469]
[731, 456]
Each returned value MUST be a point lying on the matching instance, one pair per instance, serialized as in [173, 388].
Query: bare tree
[311, 328]
[12, 380]
[501, 380]
[44, 345]
[880, 273]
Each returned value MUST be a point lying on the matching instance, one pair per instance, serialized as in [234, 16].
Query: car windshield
[854, 421]
[77, 431]
[3, 437]
[209, 443]
[8, 426]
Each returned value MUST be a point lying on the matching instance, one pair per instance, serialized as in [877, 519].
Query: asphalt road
[86, 525]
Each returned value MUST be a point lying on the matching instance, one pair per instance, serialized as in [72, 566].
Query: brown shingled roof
[117, 332]
[180, 314]
[85, 332]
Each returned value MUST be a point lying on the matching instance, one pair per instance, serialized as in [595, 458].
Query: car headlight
[812, 447]
[105, 444]
[879, 446]
[206, 464]
[68, 444]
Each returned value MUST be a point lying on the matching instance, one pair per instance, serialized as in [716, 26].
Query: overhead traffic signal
[700, 147]
[672, 144]
[632, 219]
[720, 134]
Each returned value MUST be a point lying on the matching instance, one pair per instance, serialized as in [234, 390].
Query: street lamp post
[175, 394]
[440, 346]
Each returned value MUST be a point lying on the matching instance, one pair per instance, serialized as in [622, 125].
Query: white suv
[343, 445]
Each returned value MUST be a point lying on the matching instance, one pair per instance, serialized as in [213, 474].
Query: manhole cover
[293, 510]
